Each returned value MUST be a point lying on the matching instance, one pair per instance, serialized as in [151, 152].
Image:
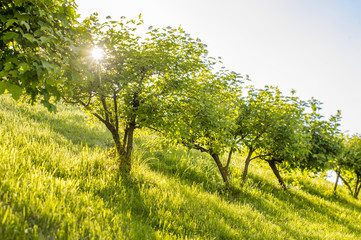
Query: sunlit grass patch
[58, 179]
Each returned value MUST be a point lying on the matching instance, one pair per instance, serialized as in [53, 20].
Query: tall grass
[59, 180]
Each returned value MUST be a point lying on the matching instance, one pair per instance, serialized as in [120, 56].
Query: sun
[97, 53]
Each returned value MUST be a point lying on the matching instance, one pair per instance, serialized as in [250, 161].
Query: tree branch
[116, 111]
[261, 156]
[154, 129]
[100, 118]
[229, 158]
[106, 111]
[346, 183]
[200, 148]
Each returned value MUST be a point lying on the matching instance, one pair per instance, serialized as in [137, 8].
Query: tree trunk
[126, 158]
[346, 183]
[246, 165]
[116, 138]
[117, 143]
[357, 186]
[277, 173]
[358, 190]
[336, 183]
[222, 170]
[125, 137]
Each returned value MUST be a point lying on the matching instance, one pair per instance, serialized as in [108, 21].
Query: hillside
[58, 180]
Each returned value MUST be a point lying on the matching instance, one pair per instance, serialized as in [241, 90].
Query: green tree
[35, 46]
[137, 74]
[202, 115]
[325, 139]
[326, 144]
[269, 127]
[350, 164]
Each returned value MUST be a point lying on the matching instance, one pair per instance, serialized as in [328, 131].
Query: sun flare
[97, 53]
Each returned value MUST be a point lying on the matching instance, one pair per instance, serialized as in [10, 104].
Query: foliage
[35, 46]
[350, 164]
[270, 128]
[202, 115]
[325, 140]
[137, 74]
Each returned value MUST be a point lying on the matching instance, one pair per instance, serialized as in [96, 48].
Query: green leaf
[10, 36]
[23, 67]
[29, 37]
[49, 66]
[44, 39]
[15, 90]
[8, 66]
[10, 22]
[25, 24]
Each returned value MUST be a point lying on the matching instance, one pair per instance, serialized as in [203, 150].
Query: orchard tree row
[163, 79]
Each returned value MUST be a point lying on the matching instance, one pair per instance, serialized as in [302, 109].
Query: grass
[59, 180]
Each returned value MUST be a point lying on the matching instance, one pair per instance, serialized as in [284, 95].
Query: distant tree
[35, 46]
[202, 115]
[126, 89]
[269, 127]
[325, 139]
[350, 164]
[326, 145]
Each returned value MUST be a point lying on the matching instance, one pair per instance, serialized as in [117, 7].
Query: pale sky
[312, 46]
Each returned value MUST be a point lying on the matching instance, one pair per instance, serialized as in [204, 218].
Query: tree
[269, 127]
[325, 140]
[127, 88]
[350, 163]
[202, 115]
[326, 145]
[35, 46]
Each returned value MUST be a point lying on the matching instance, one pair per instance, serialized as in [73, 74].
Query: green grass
[59, 180]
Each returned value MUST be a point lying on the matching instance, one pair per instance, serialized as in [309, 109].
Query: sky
[311, 46]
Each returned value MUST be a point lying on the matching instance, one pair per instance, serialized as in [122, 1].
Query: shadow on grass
[322, 193]
[153, 220]
[123, 198]
[302, 205]
[206, 213]
[73, 127]
[296, 201]
[188, 172]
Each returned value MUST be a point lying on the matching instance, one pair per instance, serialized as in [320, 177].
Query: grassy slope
[58, 180]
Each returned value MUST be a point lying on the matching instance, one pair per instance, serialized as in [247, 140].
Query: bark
[115, 102]
[277, 173]
[222, 170]
[126, 159]
[246, 165]
[358, 191]
[118, 145]
[125, 137]
[357, 186]
[347, 184]
[229, 158]
[336, 183]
